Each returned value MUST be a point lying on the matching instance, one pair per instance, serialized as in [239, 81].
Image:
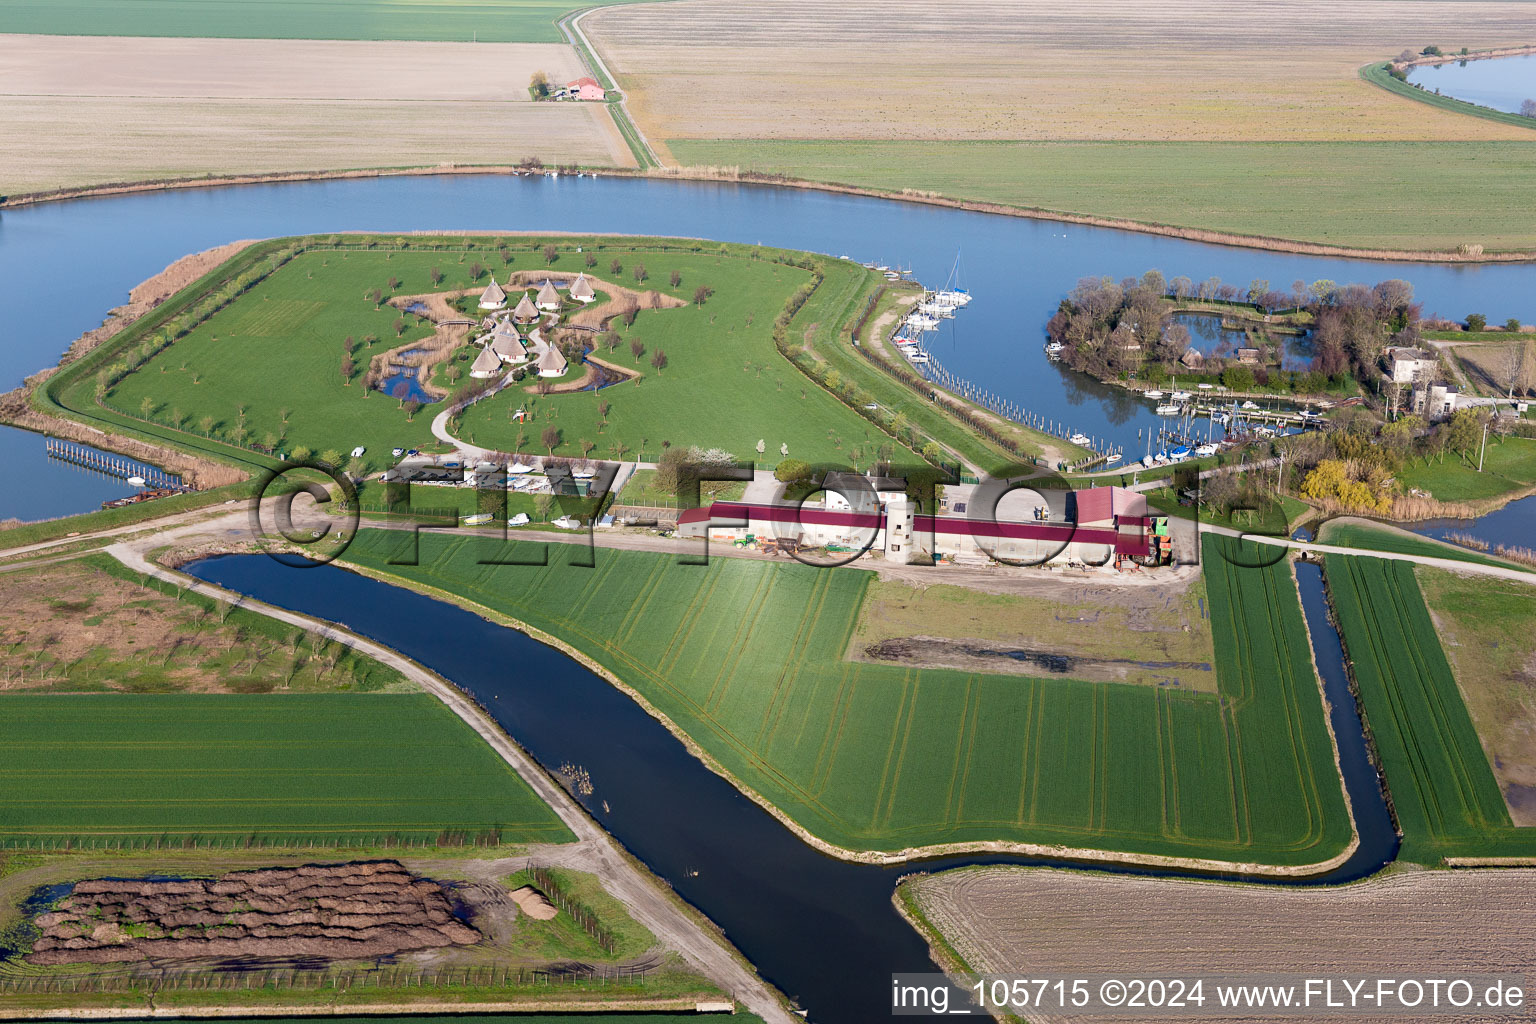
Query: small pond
[1208, 336]
[1502, 83]
[404, 383]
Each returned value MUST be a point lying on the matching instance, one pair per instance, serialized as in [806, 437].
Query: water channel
[1018, 269]
[1500, 83]
[823, 930]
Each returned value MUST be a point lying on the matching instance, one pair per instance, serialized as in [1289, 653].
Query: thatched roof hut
[526, 311]
[549, 296]
[552, 362]
[493, 297]
[581, 289]
[1192, 359]
[486, 364]
[508, 348]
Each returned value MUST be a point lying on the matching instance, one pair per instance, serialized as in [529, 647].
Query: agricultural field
[270, 362]
[1488, 630]
[1079, 922]
[1152, 636]
[90, 625]
[1172, 115]
[749, 658]
[1497, 365]
[488, 21]
[1380, 194]
[1443, 793]
[107, 109]
[146, 770]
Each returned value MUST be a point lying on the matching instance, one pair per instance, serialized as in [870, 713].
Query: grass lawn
[489, 21]
[1508, 465]
[641, 489]
[272, 361]
[1400, 195]
[1273, 519]
[1444, 796]
[1369, 538]
[749, 658]
[327, 768]
[1488, 630]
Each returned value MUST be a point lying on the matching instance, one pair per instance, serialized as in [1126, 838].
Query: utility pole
[1482, 451]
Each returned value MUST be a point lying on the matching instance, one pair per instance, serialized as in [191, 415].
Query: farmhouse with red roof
[586, 89]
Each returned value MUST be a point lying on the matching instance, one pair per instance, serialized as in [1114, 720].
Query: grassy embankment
[748, 658]
[214, 725]
[1368, 537]
[488, 21]
[1394, 195]
[1443, 792]
[1377, 73]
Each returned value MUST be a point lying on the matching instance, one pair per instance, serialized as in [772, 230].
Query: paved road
[640, 893]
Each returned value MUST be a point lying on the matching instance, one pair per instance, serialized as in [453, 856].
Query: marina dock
[112, 465]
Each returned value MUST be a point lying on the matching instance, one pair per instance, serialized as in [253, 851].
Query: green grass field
[279, 347]
[1443, 791]
[332, 769]
[1508, 465]
[748, 658]
[1400, 195]
[489, 21]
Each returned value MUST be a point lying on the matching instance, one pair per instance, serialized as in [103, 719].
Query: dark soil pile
[336, 911]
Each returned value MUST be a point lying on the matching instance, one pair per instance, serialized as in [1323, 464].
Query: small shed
[549, 296]
[581, 289]
[1248, 355]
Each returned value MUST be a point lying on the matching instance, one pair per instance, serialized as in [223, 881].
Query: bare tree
[551, 254]
[637, 349]
[1528, 108]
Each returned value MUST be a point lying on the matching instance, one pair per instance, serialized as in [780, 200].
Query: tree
[538, 84]
[331, 457]
[615, 267]
[550, 436]
[790, 470]
[543, 504]
[394, 284]
[1238, 378]
[551, 254]
[436, 274]
[630, 313]
[639, 272]
[602, 409]
[301, 454]
[586, 447]
[676, 278]
[700, 295]
[1476, 321]
[400, 326]
[659, 360]
[636, 349]
[411, 408]
[146, 407]
[347, 369]
[1463, 430]
[1512, 325]
[611, 340]
[1257, 290]
[1528, 108]
[206, 425]
[476, 271]
[349, 346]
[376, 297]
[762, 446]
[591, 261]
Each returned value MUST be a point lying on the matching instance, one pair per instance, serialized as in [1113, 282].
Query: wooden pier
[111, 465]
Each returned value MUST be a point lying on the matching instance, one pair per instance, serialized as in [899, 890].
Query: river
[63, 265]
[823, 930]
